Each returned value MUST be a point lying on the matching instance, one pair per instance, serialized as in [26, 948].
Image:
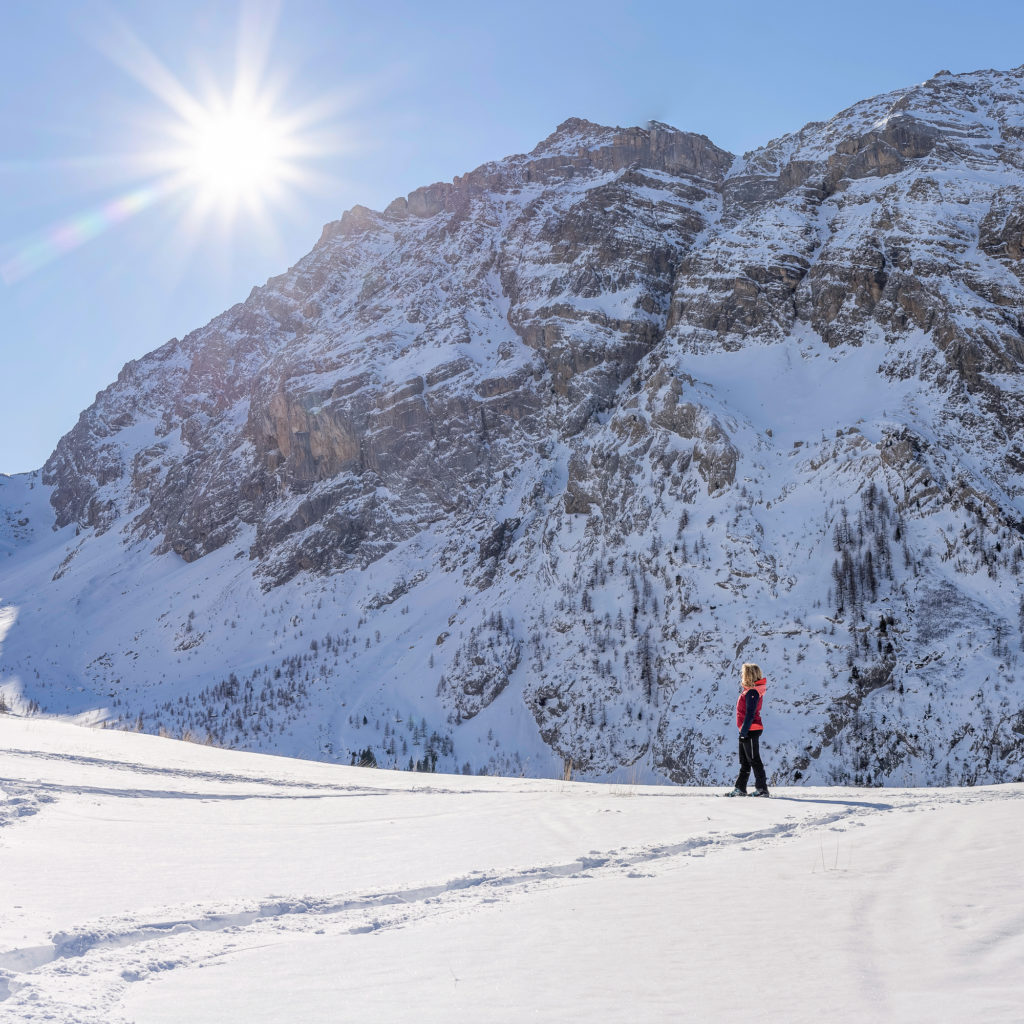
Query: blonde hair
[751, 674]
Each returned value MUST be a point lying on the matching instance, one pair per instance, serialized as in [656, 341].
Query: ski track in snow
[109, 955]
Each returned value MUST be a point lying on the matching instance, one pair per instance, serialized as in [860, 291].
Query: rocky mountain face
[515, 474]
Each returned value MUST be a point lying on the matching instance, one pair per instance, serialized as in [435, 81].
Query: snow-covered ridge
[983, 110]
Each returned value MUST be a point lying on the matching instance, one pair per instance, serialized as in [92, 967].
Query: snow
[152, 880]
[804, 390]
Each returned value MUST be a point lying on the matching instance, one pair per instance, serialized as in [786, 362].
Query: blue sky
[100, 267]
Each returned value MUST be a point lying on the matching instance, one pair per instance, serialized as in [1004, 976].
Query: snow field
[151, 880]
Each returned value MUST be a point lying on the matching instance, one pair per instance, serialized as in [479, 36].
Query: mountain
[513, 475]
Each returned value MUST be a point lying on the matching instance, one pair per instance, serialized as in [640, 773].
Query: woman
[748, 720]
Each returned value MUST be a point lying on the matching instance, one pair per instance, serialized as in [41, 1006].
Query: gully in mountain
[748, 721]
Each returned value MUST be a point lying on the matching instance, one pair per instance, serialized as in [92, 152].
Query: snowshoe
[736, 792]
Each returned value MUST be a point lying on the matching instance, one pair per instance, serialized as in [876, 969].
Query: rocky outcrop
[481, 669]
[1001, 233]
[881, 151]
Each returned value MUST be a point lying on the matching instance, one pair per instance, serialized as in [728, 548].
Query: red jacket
[741, 706]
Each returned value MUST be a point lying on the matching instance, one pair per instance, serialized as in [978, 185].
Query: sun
[239, 144]
[224, 160]
[236, 155]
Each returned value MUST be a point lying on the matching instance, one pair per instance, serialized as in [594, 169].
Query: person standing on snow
[748, 720]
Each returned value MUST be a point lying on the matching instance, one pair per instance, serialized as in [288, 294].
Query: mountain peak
[577, 124]
[573, 134]
[582, 134]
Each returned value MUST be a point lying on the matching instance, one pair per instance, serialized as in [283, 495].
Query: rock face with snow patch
[563, 442]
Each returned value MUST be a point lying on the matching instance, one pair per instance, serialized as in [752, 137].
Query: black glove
[743, 735]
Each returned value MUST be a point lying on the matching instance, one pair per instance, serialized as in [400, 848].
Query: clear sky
[122, 218]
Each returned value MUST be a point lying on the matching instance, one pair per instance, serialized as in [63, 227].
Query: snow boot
[760, 792]
[736, 792]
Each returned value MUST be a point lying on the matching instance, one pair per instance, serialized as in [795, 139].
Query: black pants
[750, 757]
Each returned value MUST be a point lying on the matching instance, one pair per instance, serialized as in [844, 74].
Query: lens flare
[216, 154]
[67, 235]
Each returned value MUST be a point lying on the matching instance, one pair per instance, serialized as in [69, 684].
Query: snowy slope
[151, 880]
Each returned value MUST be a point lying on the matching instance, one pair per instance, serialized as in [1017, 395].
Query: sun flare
[229, 157]
[235, 156]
